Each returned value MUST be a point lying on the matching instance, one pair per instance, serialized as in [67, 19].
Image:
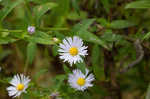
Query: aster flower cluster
[71, 50]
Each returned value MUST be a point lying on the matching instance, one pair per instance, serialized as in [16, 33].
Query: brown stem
[140, 54]
[110, 71]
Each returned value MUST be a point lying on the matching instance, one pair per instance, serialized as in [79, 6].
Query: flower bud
[31, 29]
[56, 40]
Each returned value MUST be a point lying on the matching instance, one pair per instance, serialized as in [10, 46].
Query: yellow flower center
[73, 51]
[20, 87]
[81, 81]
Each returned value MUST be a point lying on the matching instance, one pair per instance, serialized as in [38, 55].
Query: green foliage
[97, 62]
[106, 4]
[75, 6]
[147, 36]
[8, 8]
[120, 24]
[7, 40]
[40, 10]
[148, 93]
[31, 51]
[81, 30]
[141, 4]
[66, 69]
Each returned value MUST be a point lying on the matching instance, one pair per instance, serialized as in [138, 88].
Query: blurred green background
[115, 31]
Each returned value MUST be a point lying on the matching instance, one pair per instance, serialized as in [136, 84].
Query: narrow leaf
[31, 50]
[81, 30]
[39, 11]
[39, 40]
[7, 40]
[147, 36]
[97, 62]
[66, 69]
[142, 4]
[75, 6]
[81, 66]
[120, 24]
[148, 92]
[8, 8]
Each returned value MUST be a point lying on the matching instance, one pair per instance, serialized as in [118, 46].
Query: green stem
[19, 97]
[54, 29]
[26, 67]
[5, 30]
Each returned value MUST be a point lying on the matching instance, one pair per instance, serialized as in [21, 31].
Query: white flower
[19, 84]
[79, 81]
[72, 49]
[31, 29]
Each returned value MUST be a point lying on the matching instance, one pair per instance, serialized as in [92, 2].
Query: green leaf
[103, 22]
[75, 16]
[106, 5]
[55, 50]
[31, 50]
[120, 24]
[59, 14]
[97, 62]
[108, 36]
[81, 66]
[148, 92]
[7, 40]
[42, 34]
[139, 4]
[38, 1]
[147, 36]
[66, 69]
[39, 73]
[75, 6]
[8, 8]
[4, 54]
[40, 10]
[39, 40]
[81, 30]
[83, 25]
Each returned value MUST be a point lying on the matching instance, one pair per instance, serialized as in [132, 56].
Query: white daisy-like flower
[72, 49]
[19, 85]
[80, 81]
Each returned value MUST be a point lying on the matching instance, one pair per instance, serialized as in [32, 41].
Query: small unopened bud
[55, 95]
[55, 39]
[31, 29]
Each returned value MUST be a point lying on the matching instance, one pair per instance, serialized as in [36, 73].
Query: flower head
[31, 29]
[19, 84]
[72, 49]
[80, 81]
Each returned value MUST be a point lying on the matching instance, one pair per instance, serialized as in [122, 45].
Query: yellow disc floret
[20, 87]
[73, 51]
[81, 81]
